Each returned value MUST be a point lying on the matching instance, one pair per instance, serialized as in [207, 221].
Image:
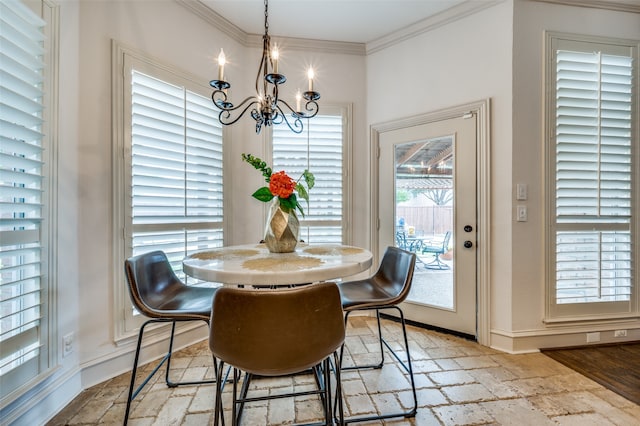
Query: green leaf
[263, 194]
[302, 192]
[289, 204]
[309, 178]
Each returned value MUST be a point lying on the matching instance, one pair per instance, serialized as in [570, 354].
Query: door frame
[483, 187]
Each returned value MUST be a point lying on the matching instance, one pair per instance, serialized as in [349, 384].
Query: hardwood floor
[616, 367]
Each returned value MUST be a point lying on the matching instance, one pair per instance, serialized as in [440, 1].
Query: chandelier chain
[266, 17]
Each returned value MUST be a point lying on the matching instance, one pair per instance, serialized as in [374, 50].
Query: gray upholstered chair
[157, 293]
[385, 290]
[277, 332]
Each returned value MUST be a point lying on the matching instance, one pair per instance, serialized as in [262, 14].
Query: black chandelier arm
[297, 123]
[312, 107]
[225, 115]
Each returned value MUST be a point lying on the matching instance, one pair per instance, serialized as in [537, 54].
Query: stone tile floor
[459, 383]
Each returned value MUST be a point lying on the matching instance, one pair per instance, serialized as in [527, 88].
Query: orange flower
[281, 185]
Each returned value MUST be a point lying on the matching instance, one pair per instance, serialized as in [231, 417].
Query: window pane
[21, 176]
[593, 267]
[593, 131]
[176, 170]
[593, 176]
[320, 151]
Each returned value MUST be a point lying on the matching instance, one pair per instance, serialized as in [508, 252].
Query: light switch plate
[521, 191]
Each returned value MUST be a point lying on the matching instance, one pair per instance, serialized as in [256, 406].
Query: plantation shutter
[22, 284]
[318, 148]
[176, 170]
[593, 176]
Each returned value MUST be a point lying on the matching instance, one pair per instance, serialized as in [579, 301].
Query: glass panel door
[429, 171]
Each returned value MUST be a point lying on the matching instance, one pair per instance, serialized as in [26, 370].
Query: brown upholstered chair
[275, 333]
[385, 290]
[157, 293]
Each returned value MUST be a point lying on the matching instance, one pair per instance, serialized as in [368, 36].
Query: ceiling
[356, 21]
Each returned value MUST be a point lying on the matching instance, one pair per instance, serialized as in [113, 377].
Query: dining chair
[158, 294]
[386, 289]
[276, 333]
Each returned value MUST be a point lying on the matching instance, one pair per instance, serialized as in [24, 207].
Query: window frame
[49, 355]
[124, 59]
[345, 110]
[589, 311]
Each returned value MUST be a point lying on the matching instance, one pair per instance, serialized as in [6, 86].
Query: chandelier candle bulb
[221, 61]
[298, 99]
[310, 75]
[274, 58]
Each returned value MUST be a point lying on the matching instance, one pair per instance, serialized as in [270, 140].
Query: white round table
[253, 264]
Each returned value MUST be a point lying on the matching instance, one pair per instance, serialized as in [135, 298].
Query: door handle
[468, 244]
[468, 228]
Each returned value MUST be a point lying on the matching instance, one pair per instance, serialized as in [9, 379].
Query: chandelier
[266, 107]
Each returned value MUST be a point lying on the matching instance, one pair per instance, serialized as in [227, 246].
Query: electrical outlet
[620, 333]
[593, 337]
[67, 344]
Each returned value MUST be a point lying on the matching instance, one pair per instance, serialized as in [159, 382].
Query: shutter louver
[593, 177]
[176, 170]
[21, 186]
[321, 151]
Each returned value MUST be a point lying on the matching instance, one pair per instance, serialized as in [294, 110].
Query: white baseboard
[534, 340]
[40, 404]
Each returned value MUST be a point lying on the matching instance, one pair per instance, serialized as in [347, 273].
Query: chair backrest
[445, 241]
[151, 279]
[276, 332]
[395, 274]
[401, 239]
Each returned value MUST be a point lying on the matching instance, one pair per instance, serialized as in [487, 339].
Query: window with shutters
[592, 159]
[172, 166]
[26, 216]
[323, 147]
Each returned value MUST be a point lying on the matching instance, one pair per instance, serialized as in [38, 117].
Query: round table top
[253, 264]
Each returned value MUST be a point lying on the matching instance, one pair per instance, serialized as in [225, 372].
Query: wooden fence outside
[428, 220]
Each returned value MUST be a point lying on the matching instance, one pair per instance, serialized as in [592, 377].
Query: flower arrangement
[281, 185]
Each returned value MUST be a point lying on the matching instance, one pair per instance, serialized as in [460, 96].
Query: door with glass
[428, 172]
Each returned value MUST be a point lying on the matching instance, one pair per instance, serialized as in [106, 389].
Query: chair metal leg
[372, 366]
[339, 403]
[218, 412]
[167, 358]
[324, 392]
[406, 365]
[436, 263]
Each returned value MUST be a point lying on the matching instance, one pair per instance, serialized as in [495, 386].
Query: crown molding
[618, 5]
[215, 19]
[445, 17]
[255, 40]
[326, 46]
[438, 20]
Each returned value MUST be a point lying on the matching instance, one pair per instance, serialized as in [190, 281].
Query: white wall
[174, 35]
[465, 61]
[531, 20]
[498, 54]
